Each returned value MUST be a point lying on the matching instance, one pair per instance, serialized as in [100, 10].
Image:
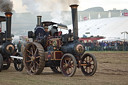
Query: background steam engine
[7, 48]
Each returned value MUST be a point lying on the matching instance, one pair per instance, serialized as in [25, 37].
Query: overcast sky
[84, 4]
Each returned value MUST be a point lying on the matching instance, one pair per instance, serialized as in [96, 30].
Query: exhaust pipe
[74, 21]
[8, 26]
[39, 20]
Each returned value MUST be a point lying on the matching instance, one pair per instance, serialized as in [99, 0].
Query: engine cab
[2, 34]
[48, 35]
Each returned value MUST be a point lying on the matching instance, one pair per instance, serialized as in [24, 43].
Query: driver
[54, 31]
[46, 31]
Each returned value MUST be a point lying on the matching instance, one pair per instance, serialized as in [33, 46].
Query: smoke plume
[6, 5]
[73, 2]
[55, 6]
[47, 5]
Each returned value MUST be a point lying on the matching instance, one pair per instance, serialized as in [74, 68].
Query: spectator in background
[105, 46]
[121, 46]
[19, 46]
[102, 45]
[115, 45]
[109, 46]
[125, 46]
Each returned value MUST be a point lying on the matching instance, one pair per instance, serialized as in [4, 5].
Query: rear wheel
[88, 64]
[34, 59]
[68, 65]
[1, 62]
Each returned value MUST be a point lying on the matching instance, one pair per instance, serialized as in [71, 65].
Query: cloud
[18, 7]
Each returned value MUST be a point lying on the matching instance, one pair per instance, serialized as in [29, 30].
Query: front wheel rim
[88, 64]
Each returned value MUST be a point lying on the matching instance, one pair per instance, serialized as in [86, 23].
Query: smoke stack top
[8, 14]
[74, 6]
[39, 20]
[6, 5]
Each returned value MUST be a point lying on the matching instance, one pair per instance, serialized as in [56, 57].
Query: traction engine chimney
[39, 20]
[74, 21]
[8, 26]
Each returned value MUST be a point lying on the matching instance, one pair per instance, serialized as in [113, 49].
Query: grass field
[112, 70]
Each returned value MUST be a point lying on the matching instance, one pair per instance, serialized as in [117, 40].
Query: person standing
[19, 46]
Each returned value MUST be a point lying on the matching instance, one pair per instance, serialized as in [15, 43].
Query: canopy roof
[59, 25]
[2, 18]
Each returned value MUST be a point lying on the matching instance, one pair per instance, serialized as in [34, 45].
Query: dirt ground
[112, 70]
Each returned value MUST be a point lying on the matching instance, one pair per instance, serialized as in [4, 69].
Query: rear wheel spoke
[30, 64]
[32, 51]
[32, 69]
[29, 52]
[33, 47]
[37, 63]
[35, 52]
[29, 61]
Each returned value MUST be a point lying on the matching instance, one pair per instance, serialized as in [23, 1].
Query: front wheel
[68, 65]
[88, 64]
[18, 63]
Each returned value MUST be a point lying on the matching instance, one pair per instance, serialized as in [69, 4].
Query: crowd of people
[107, 46]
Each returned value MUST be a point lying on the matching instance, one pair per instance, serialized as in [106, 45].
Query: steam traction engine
[7, 48]
[56, 51]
